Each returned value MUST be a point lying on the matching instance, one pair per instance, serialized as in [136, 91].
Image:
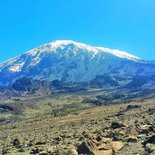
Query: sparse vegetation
[60, 125]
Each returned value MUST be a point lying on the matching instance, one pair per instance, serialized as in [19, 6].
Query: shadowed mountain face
[66, 65]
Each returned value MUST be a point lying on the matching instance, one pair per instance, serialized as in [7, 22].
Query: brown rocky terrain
[67, 126]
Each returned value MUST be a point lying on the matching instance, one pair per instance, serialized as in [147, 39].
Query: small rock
[40, 143]
[58, 139]
[104, 152]
[116, 125]
[146, 129]
[121, 113]
[16, 142]
[105, 140]
[34, 151]
[133, 132]
[150, 147]
[86, 135]
[98, 138]
[51, 149]
[150, 140]
[151, 111]
[96, 142]
[105, 146]
[40, 148]
[22, 149]
[129, 107]
[86, 147]
[43, 153]
[142, 137]
[132, 139]
[72, 152]
[116, 145]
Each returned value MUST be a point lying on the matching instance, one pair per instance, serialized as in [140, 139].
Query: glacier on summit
[70, 61]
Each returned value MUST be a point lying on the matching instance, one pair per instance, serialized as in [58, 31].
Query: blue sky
[127, 25]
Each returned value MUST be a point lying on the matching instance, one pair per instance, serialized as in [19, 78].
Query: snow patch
[121, 54]
[16, 67]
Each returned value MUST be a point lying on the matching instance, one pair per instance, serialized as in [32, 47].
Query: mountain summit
[68, 61]
[61, 44]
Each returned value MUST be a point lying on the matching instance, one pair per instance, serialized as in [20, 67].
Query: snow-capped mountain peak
[64, 59]
[61, 44]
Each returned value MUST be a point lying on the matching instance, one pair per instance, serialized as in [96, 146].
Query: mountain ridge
[69, 62]
[58, 43]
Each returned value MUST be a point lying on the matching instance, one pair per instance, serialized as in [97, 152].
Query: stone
[40, 143]
[120, 113]
[16, 142]
[86, 135]
[103, 152]
[34, 151]
[129, 107]
[58, 139]
[133, 132]
[117, 145]
[150, 147]
[146, 129]
[40, 148]
[98, 138]
[150, 140]
[116, 125]
[86, 147]
[72, 152]
[22, 149]
[96, 142]
[51, 149]
[105, 140]
[43, 153]
[132, 139]
[105, 146]
[90, 148]
[151, 111]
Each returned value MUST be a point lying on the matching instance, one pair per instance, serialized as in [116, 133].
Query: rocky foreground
[120, 129]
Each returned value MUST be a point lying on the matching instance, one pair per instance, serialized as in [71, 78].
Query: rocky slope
[64, 126]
